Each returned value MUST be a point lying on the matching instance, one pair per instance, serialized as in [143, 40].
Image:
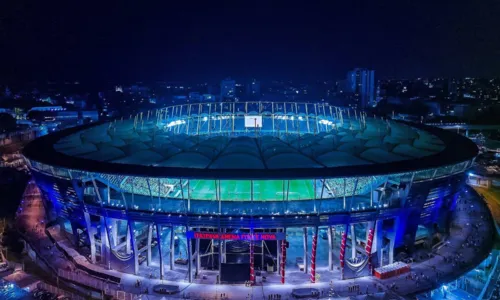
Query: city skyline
[269, 40]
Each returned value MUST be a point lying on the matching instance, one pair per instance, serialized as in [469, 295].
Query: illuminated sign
[261, 236]
[253, 121]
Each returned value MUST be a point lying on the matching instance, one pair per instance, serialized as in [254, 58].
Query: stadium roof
[342, 147]
[380, 148]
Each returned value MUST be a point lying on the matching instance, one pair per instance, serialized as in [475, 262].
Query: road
[492, 196]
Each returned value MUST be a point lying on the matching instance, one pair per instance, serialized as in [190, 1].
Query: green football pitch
[263, 190]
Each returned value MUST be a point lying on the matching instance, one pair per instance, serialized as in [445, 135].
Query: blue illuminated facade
[122, 218]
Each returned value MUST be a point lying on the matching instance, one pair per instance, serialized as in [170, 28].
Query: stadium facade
[239, 189]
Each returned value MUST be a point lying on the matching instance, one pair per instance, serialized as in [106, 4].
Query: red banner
[235, 236]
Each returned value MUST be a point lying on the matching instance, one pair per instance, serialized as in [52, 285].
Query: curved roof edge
[458, 148]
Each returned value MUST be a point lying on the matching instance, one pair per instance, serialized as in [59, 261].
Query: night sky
[208, 40]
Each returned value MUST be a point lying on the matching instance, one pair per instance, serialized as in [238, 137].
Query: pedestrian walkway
[469, 243]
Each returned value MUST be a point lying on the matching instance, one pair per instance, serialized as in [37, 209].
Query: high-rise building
[253, 89]
[361, 85]
[227, 89]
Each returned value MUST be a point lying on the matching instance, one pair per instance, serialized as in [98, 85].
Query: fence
[57, 291]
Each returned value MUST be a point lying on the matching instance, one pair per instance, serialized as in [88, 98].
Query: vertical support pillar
[198, 262]
[283, 260]
[313, 254]
[172, 247]
[90, 232]
[379, 239]
[342, 250]
[345, 182]
[114, 233]
[252, 263]
[220, 257]
[330, 248]
[134, 246]
[369, 243]
[128, 241]
[224, 248]
[278, 258]
[150, 240]
[262, 256]
[105, 251]
[391, 250]
[392, 241]
[158, 237]
[305, 249]
[353, 242]
[190, 259]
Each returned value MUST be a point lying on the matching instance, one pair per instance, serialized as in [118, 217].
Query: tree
[7, 122]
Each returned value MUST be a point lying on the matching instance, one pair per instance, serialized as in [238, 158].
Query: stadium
[240, 192]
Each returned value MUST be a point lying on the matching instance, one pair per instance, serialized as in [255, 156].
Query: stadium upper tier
[256, 140]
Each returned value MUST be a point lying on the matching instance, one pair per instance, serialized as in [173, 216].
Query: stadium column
[224, 247]
[150, 239]
[392, 241]
[172, 247]
[128, 242]
[331, 239]
[305, 249]
[114, 233]
[198, 262]
[353, 242]
[369, 243]
[345, 182]
[278, 250]
[313, 254]
[158, 238]
[283, 258]
[190, 258]
[379, 238]
[105, 251]
[342, 250]
[220, 256]
[252, 262]
[262, 255]
[134, 246]
[90, 232]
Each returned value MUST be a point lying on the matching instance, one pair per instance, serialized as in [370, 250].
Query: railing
[494, 271]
